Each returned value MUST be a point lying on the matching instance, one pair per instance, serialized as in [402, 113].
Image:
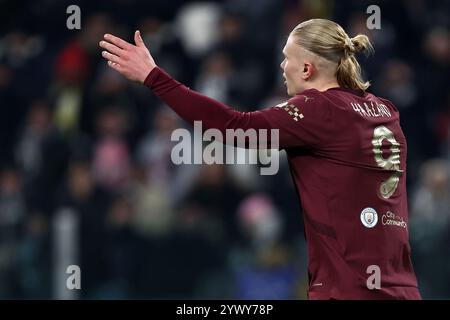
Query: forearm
[192, 106]
[136, 63]
[278, 126]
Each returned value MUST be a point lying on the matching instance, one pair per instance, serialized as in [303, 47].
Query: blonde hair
[328, 40]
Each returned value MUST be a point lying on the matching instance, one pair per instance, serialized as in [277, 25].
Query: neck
[323, 85]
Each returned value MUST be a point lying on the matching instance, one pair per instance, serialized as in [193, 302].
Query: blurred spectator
[12, 203]
[90, 203]
[397, 85]
[29, 150]
[214, 78]
[263, 266]
[154, 209]
[33, 259]
[430, 226]
[435, 73]
[197, 24]
[12, 217]
[42, 156]
[111, 162]
[167, 47]
[191, 256]
[154, 154]
[123, 254]
[154, 151]
[218, 196]
[20, 47]
[431, 201]
[443, 128]
[75, 135]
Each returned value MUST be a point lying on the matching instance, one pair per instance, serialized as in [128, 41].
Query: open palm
[133, 61]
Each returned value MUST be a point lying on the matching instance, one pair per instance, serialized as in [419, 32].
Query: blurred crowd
[86, 176]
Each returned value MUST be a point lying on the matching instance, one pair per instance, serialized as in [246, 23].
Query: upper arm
[303, 121]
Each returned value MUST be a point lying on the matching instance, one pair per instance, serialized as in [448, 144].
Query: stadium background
[86, 176]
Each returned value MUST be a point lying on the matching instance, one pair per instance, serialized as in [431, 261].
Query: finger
[115, 66]
[117, 41]
[111, 48]
[111, 57]
[138, 39]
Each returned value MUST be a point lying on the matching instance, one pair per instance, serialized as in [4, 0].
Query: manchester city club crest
[369, 217]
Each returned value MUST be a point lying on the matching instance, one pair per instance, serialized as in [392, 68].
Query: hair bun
[361, 43]
[349, 46]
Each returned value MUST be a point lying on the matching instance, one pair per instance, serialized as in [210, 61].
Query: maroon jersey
[347, 155]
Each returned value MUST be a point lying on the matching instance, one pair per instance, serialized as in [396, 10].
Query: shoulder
[306, 107]
[388, 104]
[310, 96]
[383, 102]
[311, 102]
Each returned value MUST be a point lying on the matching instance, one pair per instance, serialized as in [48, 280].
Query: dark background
[85, 171]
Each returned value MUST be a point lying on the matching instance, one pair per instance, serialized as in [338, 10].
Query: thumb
[138, 39]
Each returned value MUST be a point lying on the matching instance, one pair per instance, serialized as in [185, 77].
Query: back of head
[328, 40]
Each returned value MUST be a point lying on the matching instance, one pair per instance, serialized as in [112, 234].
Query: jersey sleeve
[304, 120]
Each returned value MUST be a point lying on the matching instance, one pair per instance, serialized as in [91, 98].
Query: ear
[308, 70]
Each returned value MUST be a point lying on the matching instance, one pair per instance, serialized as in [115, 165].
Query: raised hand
[133, 61]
